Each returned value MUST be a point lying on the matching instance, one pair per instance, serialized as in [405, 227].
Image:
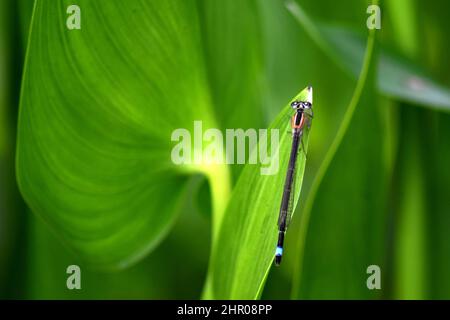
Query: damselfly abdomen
[303, 115]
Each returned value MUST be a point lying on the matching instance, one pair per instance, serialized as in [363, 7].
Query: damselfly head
[301, 105]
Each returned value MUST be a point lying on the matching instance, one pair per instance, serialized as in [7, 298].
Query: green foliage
[98, 106]
[396, 78]
[94, 134]
[236, 96]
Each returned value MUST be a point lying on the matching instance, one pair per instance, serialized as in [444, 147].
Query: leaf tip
[305, 95]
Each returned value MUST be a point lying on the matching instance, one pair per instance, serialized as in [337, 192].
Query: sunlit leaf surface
[97, 111]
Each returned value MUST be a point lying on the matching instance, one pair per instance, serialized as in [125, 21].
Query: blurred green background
[379, 197]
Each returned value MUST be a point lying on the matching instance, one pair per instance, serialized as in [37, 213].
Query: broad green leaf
[98, 108]
[396, 78]
[233, 53]
[245, 248]
[342, 226]
[157, 276]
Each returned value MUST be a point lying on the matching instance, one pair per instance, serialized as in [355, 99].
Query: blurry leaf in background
[435, 46]
[342, 227]
[245, 250]
[5, 142]
[232, 44]
[409, 197]
[422, 259]
[97, 113]
[437, 185]
[24, 13]
[233, 49]
[396, 78]
[400, 80]
[12, 217]
[411, 255]
[175, 270]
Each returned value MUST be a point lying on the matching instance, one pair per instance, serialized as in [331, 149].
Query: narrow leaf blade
[246, 245]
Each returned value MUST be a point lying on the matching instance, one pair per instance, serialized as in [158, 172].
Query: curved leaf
[235, 62]
[246, 244]
[234, 56]
[98, 108]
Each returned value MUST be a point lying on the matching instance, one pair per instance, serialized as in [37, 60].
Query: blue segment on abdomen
[279, 251]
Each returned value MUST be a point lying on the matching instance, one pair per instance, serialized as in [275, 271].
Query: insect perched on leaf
[299, 121]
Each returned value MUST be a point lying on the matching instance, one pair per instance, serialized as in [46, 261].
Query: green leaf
[422, 255]
[409, 202]
[436, 188]
[233, 54]
[25, 10]
[11, 204]
[98, 107]
[5, 60]
[157, 276]
[396, 78]
[236, 95]
[245, 248]
[6, 162]
[342, 226]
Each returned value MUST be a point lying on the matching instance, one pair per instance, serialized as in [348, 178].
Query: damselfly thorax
[298, 120]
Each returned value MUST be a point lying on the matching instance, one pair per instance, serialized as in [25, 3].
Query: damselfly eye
[306, 105]
[295, 104]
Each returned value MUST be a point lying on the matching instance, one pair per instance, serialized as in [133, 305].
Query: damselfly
[301, 118]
